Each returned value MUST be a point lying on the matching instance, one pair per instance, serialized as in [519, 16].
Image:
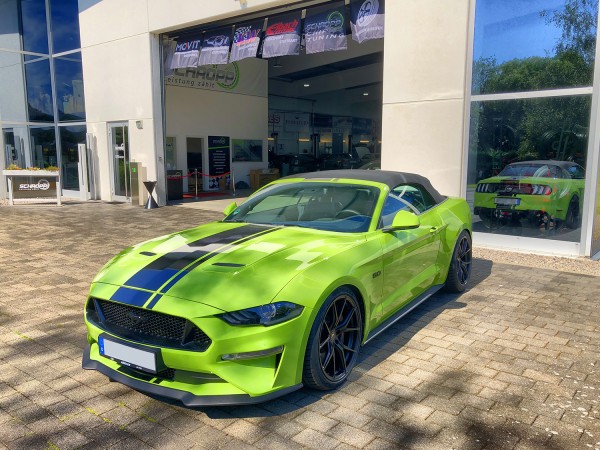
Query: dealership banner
[246, 40]
[187, 52]
[367, 19]
[215, 47]
[248, 76]
[325, 29]
[283, 35]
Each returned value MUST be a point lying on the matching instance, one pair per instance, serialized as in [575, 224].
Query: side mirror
[403, 220]
[230, 209]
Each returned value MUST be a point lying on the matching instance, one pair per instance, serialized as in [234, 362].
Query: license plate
[127, 355]
[507, 201]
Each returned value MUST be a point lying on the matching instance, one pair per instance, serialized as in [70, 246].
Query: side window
[409, 197]
[576, 172]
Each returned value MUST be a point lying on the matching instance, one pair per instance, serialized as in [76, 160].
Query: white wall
[165, 16]
[198, 113]
[425, 60]
[118, 66]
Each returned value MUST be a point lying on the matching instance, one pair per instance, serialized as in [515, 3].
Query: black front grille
[148, 327]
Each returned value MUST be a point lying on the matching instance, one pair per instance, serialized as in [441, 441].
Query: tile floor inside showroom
[511, 363]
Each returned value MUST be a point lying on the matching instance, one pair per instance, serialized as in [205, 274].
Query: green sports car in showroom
[281, 293]
[541, 191]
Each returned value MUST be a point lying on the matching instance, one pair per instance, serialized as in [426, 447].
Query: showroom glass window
[42, 105]
[533, 67]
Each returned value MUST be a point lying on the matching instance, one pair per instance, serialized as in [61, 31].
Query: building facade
[495, 101]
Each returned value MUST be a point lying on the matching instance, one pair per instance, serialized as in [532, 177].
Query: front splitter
[186, 398]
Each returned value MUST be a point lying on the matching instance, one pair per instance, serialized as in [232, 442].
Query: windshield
[324, 206]
[531, 170]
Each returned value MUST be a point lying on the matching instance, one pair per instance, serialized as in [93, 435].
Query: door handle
[433, 230]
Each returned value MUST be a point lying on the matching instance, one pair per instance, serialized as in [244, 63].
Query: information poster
[219, 165]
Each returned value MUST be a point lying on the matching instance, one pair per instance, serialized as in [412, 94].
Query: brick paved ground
[512, 363]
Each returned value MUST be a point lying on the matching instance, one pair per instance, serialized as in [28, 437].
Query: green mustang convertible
[280, 294]
[540, 191]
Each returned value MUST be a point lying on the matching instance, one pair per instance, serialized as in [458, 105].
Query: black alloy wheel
[459, 271]
[334, 341]
[572, 218]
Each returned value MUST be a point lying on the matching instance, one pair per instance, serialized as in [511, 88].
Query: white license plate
[127, 355]
[507, 201]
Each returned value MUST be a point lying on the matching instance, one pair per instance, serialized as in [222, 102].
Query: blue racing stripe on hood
[131, 297]
[151, 279]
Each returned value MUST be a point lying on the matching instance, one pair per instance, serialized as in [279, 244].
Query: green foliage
[540, 128]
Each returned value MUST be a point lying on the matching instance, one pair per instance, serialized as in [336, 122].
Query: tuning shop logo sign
[325, 30]
[225, 77]
[367, 19]
[41, 185]
[38, 188]
[283, 35]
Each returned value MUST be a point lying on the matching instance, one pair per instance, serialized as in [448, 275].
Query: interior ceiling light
[306, 84]
[365, 93]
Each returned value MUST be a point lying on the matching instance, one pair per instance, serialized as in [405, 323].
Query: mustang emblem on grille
[135, 317]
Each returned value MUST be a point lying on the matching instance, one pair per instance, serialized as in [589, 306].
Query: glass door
[121, 175]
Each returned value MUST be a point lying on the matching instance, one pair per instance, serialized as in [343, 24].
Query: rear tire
[334, 341]
[572, 217]
[459, 271]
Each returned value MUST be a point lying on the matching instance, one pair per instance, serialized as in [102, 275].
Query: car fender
[312, 287]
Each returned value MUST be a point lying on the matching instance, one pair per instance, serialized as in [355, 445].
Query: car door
[409, 256]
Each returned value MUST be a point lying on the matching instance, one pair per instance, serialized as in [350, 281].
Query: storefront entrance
[118, 135]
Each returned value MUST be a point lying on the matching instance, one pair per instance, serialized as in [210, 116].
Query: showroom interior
[288, 113]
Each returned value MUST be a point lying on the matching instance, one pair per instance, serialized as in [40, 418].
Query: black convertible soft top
[392, 179]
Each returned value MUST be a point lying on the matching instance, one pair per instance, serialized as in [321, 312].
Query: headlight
[266, 315]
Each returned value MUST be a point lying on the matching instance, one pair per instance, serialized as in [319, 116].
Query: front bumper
[242, 364]
[186, 398]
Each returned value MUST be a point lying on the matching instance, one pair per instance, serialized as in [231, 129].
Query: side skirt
[402, 312]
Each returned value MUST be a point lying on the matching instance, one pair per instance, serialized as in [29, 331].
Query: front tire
[334, 341]
[459, 271]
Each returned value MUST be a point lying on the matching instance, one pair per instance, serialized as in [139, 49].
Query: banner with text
[187, 52]
[245, 77]
[367, 19]
[246, 40]
[325, 29]
[215, 47]
[283, 35]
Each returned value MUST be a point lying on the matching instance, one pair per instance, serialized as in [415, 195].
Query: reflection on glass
[10, 37]
[69, 87]
[39, 91]
[533, 45]
[70, 137]
[526, 166]
[43, 147]
[247, 150]
[16, 140]
[65, 25]
[35, 31]
[12, 88]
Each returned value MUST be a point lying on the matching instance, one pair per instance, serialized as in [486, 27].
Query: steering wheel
[345, 213]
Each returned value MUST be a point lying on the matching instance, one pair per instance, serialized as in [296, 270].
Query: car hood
[228, 266]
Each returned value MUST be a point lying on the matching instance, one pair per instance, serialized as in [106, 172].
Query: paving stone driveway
[511, 363]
